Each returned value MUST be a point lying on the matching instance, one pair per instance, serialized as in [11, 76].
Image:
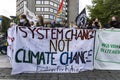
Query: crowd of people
[39, 22]
[96, 24]
[92, 24]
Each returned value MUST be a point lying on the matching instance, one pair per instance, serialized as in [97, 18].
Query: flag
[30, 15]
[60, 8]
[81, 19]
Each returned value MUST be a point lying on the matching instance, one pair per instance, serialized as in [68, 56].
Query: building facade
[48, 8]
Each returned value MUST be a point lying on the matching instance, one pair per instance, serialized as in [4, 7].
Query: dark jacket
[115, 24]
[25, 23]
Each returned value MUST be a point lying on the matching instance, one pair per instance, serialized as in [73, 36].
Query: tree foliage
[5, 23]
[16, 19]
[104, 9]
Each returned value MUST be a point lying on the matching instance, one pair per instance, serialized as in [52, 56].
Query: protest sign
[57, 50]
[107, 49]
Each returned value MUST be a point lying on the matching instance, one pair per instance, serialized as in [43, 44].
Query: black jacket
[26, 23]
[115, 24]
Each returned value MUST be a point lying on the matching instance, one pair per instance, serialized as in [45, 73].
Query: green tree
[5, 23]
[104, 9]
[15, 19]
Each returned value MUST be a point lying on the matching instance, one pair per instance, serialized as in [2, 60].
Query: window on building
[46, 9]
[64, 9]
[63, 3]
[51, 10]
[66, 3]
[55, 5]
[63, 14]
[38, 2]
[51, 17]
[22, 4]
[25, 2]
[42, 9]
[38, 9]
[51, 3]
[60, 0]
[42, 2]
[66, 13]
[55, 11]
[46, 16]
[42, 15]
[66, 18]
[22, 10]
[46, 2]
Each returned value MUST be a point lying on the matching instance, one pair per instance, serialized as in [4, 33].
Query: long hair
[41, 23]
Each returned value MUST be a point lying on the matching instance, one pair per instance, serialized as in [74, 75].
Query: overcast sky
[83, 3]
[8, 7]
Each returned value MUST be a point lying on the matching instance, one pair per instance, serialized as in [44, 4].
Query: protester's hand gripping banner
[45, 50]
[107, 49]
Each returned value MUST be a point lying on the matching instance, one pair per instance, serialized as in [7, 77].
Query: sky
[83, 3]
[8, 7]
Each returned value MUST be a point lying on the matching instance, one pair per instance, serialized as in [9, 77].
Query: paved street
[5, 74]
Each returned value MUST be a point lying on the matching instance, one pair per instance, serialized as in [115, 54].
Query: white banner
[107, 49]
[30, 15]
[45, 50]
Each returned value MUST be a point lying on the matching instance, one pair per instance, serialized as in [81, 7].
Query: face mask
[96, 23]
[22, 20]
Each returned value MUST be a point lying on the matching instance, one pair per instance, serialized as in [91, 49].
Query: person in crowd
[64, 24]
[10, 39]
[32, 24]
[115, 23]
[90, 24]
[47, 24]
[53, 24]
[39, 21]
[24, 21]
[72, 25]
[12, 24]
[94, 24]
[106, 25]
[58, 23]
